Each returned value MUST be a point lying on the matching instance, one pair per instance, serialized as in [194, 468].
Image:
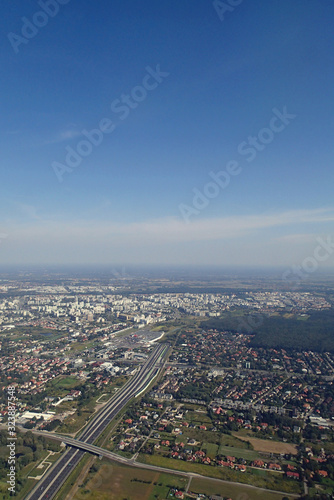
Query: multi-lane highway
[261, 492]
[53, 480]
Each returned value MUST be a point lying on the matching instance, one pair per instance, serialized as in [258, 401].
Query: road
[56, 476]
[133, 463]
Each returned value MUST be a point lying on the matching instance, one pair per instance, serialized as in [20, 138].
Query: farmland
[268, 445]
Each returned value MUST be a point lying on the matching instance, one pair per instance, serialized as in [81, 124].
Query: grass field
[39, 472]
[66, 383]
[80, 346]
[268, 445]
[198, 418]
[210, 437]
[211, 449]
[114, 482]
[20, 333]
[233, 441]
[211, 487]
[238, 452]
[74, 422]
[103, 398]
[269, 480]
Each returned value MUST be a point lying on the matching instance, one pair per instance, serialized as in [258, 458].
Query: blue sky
[131, 199]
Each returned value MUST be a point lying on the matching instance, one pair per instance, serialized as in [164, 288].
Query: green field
[269, 480]
[39, 472]
[211, 449]
[66, 383]
[216, 443]
[81, 346]
[211, 487]
[36, 332]
[198, 418]
[234, 442]
[210, 437]
[104, 398]
[74, 422]
[238, 452]
[115, 482]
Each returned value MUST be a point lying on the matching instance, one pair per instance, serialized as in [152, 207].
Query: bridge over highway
[132, 462]
[48, 486]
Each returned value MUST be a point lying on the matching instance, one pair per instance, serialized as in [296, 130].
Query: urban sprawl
[217, 405]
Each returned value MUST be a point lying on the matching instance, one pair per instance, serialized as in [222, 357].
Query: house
[242, 468]
[200, 453]
[223, 464]
[293, 475]
[274, 467]
[258, 463]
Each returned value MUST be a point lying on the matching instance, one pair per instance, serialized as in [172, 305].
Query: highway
[48, 486]
[132, 463]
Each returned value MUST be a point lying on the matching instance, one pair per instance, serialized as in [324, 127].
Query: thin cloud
[300, 239]
[174, 229]
[29, 211]
[168, 241]
[64, 135]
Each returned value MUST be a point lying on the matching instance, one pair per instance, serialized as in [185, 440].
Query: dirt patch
[269, 446]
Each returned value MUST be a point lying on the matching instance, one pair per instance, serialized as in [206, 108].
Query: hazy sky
[217, 131]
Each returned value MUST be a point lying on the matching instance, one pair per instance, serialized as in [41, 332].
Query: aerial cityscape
[167, 250]
[188, 391]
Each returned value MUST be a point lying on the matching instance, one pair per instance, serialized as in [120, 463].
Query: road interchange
[48, 486]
